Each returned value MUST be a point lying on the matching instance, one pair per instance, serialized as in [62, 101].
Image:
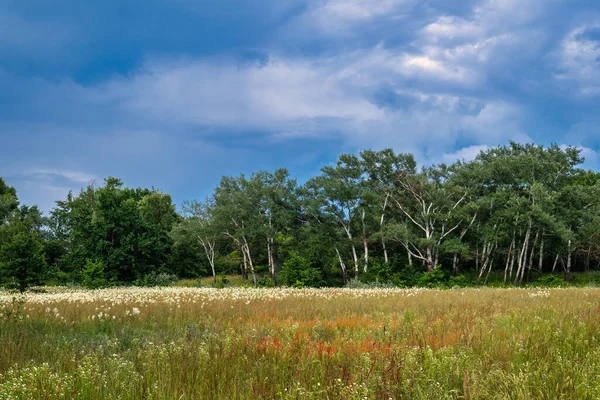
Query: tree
[8, 200]
[126, 229]
[22, 260]
[382, 169]
[199, 224]
[430, 203]
[338, 193]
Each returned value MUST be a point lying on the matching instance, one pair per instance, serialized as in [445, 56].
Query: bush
[299, 272]
[434, 279]
[93, 275]
[154, 279]
[221, 281]
[550, 281]
[265, 282]
[587, 279]
[407, 277]
[377, 272]
[458, 281]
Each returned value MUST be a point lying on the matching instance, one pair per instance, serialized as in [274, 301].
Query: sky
[174, 94]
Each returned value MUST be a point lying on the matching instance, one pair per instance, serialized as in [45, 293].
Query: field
[190, 343]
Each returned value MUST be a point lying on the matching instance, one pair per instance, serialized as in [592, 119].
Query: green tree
[127, 229]
[22, 259]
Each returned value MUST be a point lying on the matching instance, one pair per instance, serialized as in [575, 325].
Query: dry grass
[187, 343]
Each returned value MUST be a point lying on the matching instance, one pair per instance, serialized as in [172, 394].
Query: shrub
[550, 281]
[458, 281]
[299, 272]
[221, 281]
[265, 282]
[377, 272]
[407, 277]
[434, 279]
[93, 275]
[157, 279]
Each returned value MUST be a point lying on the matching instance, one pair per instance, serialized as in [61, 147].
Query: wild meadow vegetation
[136, 298]
[191, 343]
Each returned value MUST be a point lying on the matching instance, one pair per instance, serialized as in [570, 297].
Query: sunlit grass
[300, 344]
[208, 281]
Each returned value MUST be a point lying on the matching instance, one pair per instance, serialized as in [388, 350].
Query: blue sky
[174, 94]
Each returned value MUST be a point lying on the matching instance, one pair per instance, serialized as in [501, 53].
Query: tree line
[514, 214]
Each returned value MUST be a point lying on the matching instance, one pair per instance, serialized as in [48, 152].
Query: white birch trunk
[381, 221]
[509, 257]
[342, 265]
[365, 244]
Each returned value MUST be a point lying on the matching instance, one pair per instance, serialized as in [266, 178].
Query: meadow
[201, 343]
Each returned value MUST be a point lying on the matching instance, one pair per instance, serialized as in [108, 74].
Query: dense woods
[514, 215]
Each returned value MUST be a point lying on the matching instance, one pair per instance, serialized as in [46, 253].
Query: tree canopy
[513, 214]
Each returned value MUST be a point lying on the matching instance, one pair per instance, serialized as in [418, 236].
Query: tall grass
[188, 343]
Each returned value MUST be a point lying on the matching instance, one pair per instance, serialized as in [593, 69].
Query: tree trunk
[541, 260]
[455, 264]
[555, 263]
[489, 270]
[355, 259]
[209, 250]
[245, 264]
[569, 257]
[488, 248]
[385, 253]
[271, 260]
[509, 258]
[354, 254]
[365, 244]
[522, 255]
[342, 266]
[530, 263]
[250, 263]
[430, 266]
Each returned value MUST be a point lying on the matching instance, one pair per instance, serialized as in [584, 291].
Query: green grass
[188, 343]
[207, 281]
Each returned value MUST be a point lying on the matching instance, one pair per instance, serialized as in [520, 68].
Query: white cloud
[451, 28]
[344, 18]
[465, 154]
[293, 98]
[72, 176]
[354, 10]
[579, 60]
[209, 92]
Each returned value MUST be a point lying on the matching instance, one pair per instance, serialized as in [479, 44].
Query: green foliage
[550, 281]
[587, 279]
[459, 281]
[408, 276]
[299, 272]
[221, 281]
[156, 279]
[22, 261]
[377, 272]
[93, 275]
[434, 279]
[265, 282]
[128, 229]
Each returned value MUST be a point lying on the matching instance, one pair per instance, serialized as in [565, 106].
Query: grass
[190, 343]
[208, 281]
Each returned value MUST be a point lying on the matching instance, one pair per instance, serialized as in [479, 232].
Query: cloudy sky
[176, 93]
